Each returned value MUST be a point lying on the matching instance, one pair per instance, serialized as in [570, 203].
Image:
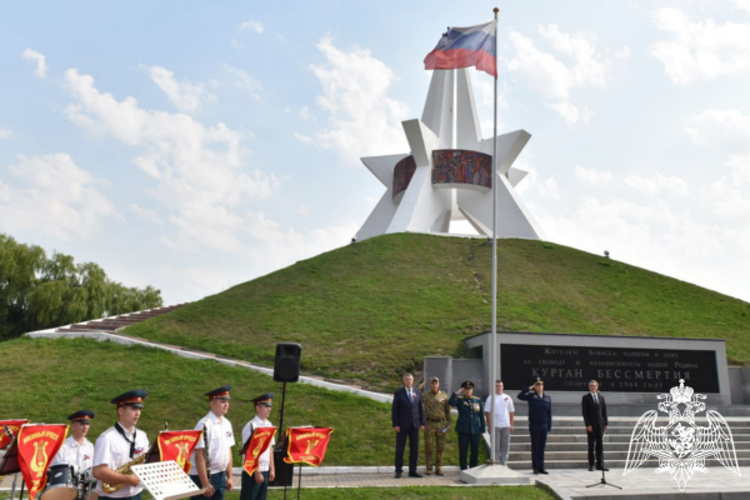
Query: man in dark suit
[595, 417]
[407, 414]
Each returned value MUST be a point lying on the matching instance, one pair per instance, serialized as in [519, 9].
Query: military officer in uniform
[215, 476]
[119, 445]
[77, 450]
[540, 422]
[438, 416]
[470, 425]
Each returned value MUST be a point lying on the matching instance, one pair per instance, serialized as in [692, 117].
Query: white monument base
[493, 474]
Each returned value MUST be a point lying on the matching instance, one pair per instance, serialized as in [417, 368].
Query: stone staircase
[567, 444]
[114, 323]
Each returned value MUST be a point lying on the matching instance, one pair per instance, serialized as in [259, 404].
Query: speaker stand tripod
[603, 482]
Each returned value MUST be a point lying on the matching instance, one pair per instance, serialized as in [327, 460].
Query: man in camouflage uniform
[438, 416]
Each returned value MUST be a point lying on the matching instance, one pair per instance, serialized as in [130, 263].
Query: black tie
[125, 437]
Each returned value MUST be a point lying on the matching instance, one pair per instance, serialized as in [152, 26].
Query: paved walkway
[718, 483]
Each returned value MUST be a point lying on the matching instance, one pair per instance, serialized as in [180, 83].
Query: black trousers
[413, 436]
[538, 444]
[465, 442]
[595, 441]
[252, 490]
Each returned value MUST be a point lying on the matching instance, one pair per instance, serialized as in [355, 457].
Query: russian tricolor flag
[465, 47]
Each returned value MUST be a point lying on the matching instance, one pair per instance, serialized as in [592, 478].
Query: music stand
[166, 480]
[9, 462]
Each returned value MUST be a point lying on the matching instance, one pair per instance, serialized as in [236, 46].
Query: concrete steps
[567, 445]
[115, 323]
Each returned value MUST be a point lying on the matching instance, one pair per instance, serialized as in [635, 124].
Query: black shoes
[591, 468]
[542, 471]
[602, 468]
[398, 475]
[414, 474]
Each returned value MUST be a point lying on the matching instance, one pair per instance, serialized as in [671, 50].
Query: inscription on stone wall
[617, 369]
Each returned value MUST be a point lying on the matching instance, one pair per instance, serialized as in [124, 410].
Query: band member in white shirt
[256, 487]
[119, 445]
[216, 476]
[77, 450]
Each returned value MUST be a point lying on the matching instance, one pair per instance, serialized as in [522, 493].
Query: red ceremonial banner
[14, 426]
[37, 446]
[178, 446]
[307, 445]
[259, 443]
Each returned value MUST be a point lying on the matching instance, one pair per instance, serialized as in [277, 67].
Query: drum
[62, 483]
[88, 484]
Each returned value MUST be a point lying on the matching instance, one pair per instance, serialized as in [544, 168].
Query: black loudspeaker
[286, 364]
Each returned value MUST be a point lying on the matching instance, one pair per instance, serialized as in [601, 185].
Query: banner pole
[299, 480]
[493, 336]
[22, 486]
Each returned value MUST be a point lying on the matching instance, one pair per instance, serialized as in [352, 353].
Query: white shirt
[220, 440]
[503, 408]
[113, 450]
[264, 461]
[595, 397]
[80, 455]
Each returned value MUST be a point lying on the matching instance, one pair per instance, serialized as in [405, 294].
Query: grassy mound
[366, 313]
[47, 380]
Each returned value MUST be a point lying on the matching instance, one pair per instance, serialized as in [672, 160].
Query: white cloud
[702, 50]
[147, 214]
[302, 210]
[52, 195]
[278, 246]
[5, 133]
[39, 59]
[242, 80]
[551, 76]
[743, 4]
[306, 114]
[201, 175]
[724, 129]
[186, 96]
[728, 131]
[657, 184]
[303, 138]
[255, 26]
[363, 119]
[592, 175]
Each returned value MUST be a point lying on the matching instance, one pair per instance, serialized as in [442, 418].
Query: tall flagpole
[493, 336]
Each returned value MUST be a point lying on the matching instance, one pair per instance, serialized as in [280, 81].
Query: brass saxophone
[126, 470]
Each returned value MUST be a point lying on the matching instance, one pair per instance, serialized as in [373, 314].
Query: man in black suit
[595, 417]
[407, 414]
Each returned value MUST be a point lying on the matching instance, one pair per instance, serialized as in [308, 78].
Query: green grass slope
[366, 313]
[47, 380]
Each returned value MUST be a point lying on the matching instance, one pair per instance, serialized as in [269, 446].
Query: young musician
[119, 445]
[256, 487]
[77, 450]
[218, 437]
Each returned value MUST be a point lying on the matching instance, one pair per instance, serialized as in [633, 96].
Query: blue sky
[196, 145]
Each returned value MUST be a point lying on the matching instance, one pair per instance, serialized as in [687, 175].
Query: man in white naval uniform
[77, 450]
[217, 477]
[119, 445]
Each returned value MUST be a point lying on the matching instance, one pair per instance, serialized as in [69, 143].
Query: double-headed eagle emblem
[682, 446]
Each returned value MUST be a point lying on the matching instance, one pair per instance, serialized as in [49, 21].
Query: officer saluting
[540, 422]
[470, 425]
[77, 450]
[120, 444]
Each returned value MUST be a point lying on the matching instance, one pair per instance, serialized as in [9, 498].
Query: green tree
[38, 292]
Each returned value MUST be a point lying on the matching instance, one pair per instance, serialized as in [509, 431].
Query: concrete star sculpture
[437, 183]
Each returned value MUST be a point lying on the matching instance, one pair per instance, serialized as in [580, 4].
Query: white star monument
[443, 180]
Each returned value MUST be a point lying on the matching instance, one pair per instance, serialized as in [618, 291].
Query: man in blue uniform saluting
[540, 422]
